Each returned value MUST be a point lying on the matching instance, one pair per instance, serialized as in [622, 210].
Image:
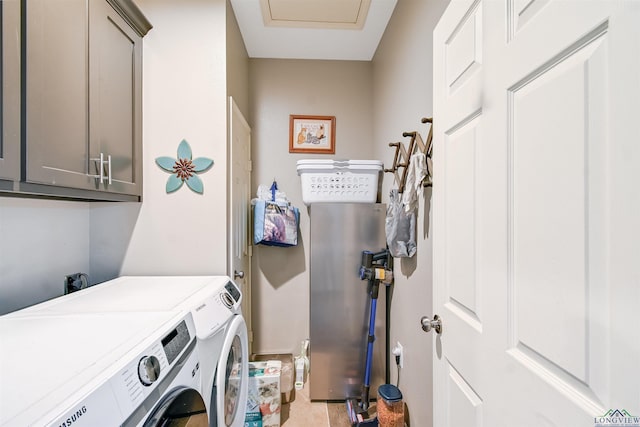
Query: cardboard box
[264, 392]
[286, 373]
[253, 419]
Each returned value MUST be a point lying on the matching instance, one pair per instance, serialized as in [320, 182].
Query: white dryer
[214, 302]
[103, 369]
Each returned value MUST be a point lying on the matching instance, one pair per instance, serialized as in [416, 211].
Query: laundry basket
[330, 181]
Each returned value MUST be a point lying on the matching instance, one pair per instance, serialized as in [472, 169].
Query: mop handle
[372, 338]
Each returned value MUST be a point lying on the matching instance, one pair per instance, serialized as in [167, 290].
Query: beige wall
[402, 76]
[237, 64]
[374, 103]
[184, 97]
[40, 242]
[279, 88]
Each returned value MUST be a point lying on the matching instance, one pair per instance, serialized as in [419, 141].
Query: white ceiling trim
[264, 41]
[334, 14]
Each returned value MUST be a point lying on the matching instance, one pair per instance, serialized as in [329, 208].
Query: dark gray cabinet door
[57, 94]
[115, 97]
[9, 92]
[84, 95]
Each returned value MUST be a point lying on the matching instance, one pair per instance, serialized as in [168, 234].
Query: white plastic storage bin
[345, 181]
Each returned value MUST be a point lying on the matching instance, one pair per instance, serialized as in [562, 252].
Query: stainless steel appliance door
[339, 300]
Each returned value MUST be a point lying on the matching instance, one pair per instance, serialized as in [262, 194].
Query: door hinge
[250, 251]
[250, 166]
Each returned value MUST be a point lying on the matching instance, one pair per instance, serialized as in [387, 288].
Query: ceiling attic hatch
[329, 14]
[312, 29]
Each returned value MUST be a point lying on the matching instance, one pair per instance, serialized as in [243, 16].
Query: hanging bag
[400, 227]
[275, 224]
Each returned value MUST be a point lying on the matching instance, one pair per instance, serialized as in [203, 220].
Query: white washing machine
[214, 302]
[106, 369]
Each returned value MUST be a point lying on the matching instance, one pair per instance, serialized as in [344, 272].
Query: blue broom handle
[372, 337]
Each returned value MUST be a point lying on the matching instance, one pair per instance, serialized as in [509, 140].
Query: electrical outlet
[75, 282]
[398, 351]
[68, 284]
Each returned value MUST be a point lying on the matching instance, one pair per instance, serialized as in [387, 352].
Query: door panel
[465, 408]
[240, 208]
[566, 95]
[521, 12]
[533, 205]
[116, 92]
[463, 49]
[458, 378]
[463, 292]
[57, 124]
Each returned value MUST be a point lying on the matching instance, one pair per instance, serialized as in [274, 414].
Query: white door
[240, 208]
[537, 213]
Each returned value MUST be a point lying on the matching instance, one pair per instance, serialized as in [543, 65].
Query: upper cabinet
[83, 97]
[57, 93]
[9, 93]
[115, 58]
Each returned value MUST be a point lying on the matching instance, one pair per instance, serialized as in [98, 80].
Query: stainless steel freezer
[340, 300]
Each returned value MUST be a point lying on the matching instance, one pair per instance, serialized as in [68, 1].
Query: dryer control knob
[148, 370]
[226, 299]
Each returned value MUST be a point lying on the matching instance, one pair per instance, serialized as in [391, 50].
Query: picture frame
[312, 134]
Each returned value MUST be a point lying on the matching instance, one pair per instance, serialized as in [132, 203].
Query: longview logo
[617, 417]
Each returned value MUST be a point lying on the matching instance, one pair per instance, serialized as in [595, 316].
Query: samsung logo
[201, 307]
[74, 417]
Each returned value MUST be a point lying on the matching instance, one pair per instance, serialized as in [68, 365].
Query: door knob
[428, 324]
[238, 274]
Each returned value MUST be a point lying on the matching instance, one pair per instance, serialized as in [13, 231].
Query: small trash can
[390, 406]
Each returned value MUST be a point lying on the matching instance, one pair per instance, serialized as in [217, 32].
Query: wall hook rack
[402, 156]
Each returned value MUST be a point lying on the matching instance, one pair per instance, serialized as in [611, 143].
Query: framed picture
[312, 134]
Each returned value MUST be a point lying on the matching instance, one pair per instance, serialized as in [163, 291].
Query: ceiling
[312, 29]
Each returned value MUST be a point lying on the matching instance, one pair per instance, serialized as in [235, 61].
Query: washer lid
[48, 362]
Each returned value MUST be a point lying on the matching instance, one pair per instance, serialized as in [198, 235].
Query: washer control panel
[214, 307]
[233, 291]
[134, 383]
[175, 341]
[230, 296]
[148, 371]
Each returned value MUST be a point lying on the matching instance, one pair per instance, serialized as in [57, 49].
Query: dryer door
[229, 394]
[182, 406]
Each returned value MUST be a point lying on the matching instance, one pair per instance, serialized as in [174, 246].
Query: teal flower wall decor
[184, 169]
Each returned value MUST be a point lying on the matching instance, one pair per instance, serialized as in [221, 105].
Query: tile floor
[302, 412]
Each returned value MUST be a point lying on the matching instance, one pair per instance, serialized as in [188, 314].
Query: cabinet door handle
[101, 162]
[109, 169]
[100, 166]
